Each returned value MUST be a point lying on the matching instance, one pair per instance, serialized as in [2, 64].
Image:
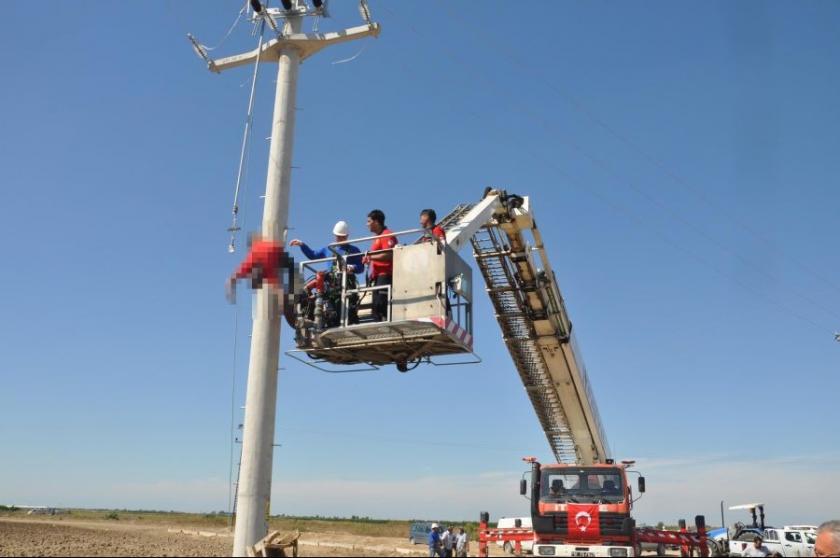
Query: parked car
[418, 533]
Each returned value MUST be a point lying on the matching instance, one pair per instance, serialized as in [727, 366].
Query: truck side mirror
[523, 487]
[517, 523]
[642, 485]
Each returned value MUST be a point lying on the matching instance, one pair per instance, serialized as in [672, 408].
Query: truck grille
[612, 524]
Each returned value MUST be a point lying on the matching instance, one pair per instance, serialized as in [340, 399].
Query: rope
[244, 153]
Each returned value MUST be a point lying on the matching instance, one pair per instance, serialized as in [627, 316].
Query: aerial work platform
[382, 343]
[428, 308]
[429, 314]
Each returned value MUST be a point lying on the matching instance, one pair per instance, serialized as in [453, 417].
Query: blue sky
[682, 163]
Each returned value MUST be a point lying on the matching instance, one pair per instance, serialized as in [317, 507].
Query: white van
[510, 523]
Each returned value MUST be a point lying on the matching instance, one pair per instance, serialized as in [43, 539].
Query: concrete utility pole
[288, 50]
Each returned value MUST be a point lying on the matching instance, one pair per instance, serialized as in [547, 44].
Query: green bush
[113, 515]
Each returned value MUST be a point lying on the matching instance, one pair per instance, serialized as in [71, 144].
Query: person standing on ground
[446, 539]
[434, 542]
[828, 539]
[757, 548]
[381, 260]
[462, 546]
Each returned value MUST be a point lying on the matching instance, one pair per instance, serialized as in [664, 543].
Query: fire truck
[581, 505]
[582, 510]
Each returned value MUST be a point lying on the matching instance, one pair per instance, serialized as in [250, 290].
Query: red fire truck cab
[582, 510]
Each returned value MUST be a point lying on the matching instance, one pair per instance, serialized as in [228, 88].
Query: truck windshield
[583, 485]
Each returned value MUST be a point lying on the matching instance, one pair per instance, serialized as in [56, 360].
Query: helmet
[435, 526]
[341, 229]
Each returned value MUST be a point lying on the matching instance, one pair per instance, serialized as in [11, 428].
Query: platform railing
[361, 291]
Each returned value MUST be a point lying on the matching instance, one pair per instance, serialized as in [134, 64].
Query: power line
[623, 209]
[657, 162]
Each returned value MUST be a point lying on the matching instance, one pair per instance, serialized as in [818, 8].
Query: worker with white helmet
[435, 544]
[331, 281]
[341, 231]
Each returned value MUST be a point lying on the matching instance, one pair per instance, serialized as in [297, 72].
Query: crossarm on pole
[307, 43]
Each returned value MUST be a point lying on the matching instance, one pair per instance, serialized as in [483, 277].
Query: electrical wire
[345, 60]
[605, 199]
[233, 407]
[540, 120]
[230, 30]
[657, 162]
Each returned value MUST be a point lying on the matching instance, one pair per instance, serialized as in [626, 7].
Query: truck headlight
[618, 552]
[546, 551]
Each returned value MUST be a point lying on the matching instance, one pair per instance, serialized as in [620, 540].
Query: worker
[332, 280]
[462, 544]
[431, 230]
[352, 254]
[556, 489]
[446, 539]
[381, 260]
[828, 539]
[435, 548]
[262, 264]
[757, 548]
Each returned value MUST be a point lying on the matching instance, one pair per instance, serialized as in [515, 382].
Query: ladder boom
[534, 322]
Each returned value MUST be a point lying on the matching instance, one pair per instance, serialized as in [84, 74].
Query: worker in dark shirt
[428, 219]
[381, 260]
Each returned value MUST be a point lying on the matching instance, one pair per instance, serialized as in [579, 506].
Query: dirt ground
[67, 537]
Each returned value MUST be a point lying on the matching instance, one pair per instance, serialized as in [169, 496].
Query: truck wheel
[660, 549]
[508, 548]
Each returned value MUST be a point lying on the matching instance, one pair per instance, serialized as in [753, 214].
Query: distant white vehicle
[808, 528]
[787, 541]
[42, 510]
[809, 536]
[510, 523]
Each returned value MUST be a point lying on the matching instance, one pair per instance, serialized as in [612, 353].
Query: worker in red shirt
[262, 265]
[381, 260]
[428, 219]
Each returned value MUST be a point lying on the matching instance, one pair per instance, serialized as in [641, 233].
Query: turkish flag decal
[584, 521]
